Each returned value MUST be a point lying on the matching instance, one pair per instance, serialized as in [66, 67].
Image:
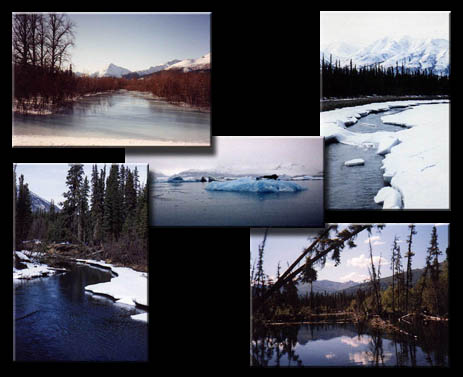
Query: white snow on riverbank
[129, 287]
[140, 317]
[62, 141]
[417, 159]
[33, 270]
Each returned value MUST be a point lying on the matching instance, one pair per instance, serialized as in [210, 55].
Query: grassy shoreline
[338, 103]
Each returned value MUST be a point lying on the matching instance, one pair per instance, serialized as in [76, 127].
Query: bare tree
[21, 38]
[59, 39]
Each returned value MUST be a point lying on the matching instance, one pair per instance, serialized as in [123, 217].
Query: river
[68, 324]
[115, 119]
[347, 186]
[343, 345]
[189, 204]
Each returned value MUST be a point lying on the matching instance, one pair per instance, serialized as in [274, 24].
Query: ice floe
[390, 198]
[355, 162]
[253, 185]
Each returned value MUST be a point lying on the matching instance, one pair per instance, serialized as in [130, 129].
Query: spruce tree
[23, 215]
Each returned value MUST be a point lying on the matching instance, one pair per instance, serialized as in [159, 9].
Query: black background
[264, 82]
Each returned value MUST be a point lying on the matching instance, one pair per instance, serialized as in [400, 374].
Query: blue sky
[137, 41]
[49, 180]
[285, 245]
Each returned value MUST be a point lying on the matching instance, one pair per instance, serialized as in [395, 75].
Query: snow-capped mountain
[204, 62]
[185, 65]
[289, 171]
[157, 68]
[413, 53]
[112, 70]
[40, 204]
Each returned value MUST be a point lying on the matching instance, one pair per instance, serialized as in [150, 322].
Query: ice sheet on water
[253, 185]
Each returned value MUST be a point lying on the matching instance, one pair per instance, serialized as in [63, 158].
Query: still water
[355, 187]
[119, 116]
[189, 204]
[343, 345]
[71, 325]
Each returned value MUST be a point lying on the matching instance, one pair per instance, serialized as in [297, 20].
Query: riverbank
[34, 108]
[415, 158]
[66, 141]
[338, 103]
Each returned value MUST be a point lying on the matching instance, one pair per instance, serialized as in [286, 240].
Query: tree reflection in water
[276, 346]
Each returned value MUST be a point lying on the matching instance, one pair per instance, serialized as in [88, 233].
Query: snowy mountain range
[287, 170]
[413, 53]
[327, 286]
[185, 65]
[40, 204]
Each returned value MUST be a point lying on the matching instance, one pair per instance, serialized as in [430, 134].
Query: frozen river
[119, 118]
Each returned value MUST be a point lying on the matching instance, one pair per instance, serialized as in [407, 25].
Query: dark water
[189, 204]
[343, 345]
[355, 187]
[72, 325]
[120, 115]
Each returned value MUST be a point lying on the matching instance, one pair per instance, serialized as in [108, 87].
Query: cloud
[375, 238]
[363, 261]
[441, 224]
[354, 276]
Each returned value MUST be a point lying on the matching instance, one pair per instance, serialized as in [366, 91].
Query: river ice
[416, 162]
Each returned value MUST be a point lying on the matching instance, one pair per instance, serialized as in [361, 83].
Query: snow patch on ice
[355, 162]
[252, 185]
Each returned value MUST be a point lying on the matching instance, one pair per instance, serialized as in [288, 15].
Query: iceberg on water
[253, 185]
[175, 178]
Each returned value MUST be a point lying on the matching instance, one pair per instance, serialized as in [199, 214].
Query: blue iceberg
[252, 185]
[175, 178]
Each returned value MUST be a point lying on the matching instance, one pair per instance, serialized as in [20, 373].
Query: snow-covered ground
[33, 270]
[253, 185]
[417, 158]
[60, 141]
[129, 287]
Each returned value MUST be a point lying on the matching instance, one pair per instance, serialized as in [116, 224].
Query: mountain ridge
[413, 53]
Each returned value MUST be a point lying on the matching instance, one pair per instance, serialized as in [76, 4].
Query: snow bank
[32, 270]
[128, 287]
[140, 317]
[252, 185]
[390, 198]
[355, 162]
[416, 161]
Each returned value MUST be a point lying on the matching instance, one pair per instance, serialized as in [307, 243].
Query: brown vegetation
[192, 88]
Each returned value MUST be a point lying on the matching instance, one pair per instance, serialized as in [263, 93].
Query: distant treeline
[349, 81]
[44, 80]
[108, 213]
[41, 89]
[192, 88]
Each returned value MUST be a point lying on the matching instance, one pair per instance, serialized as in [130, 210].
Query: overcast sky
[137, 41]
[240, 153]
[285, 245]
[49, 180]
[361, 28]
